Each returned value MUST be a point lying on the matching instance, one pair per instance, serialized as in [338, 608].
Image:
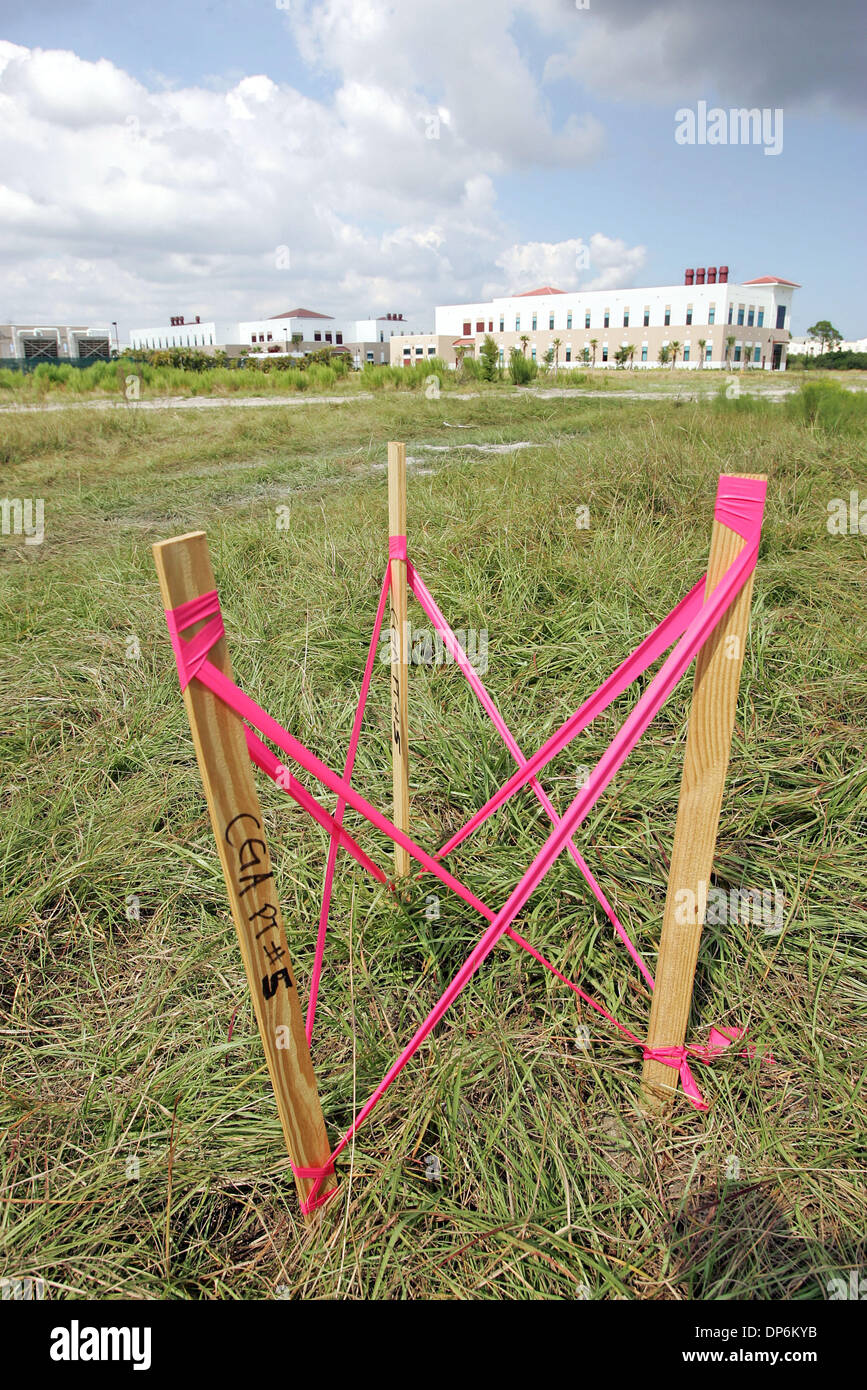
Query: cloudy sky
[232, 158]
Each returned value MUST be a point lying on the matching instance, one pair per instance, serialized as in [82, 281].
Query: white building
[812, 347]
[300, 331]
[707, 321]
[178, 333]
[63, 342]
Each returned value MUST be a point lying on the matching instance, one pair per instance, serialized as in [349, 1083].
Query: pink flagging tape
[739, 505]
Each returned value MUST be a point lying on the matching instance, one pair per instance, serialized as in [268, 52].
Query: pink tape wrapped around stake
[739, 505]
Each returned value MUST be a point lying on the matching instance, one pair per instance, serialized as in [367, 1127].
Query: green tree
[826, 333]
[557, 346]
[490, 359]
[702, 344]
[524, 341]
[594, 343]
[664, 356]
[730, 342]
[675, 349]
[522, 370]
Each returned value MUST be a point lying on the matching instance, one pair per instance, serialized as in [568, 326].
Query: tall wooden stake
[708, 745]
[184, 569]
[399, 655]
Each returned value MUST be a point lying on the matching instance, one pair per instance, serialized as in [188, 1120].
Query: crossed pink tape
[740, 506]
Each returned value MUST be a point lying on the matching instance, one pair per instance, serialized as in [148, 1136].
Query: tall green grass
[142, 1156]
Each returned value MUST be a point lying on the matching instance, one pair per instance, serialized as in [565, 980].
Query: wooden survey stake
[399, 655]
[708, 745]
[185, 572]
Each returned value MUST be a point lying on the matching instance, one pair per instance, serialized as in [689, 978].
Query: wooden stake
[708, 745]
[184, 569]
[400, 655]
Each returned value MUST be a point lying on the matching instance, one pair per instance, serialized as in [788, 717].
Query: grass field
[142, 1154]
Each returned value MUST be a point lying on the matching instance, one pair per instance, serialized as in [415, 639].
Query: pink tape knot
[397, 547]
[317, 1176]
[192, 654]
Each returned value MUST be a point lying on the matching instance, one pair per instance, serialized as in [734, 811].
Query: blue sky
[145, 173]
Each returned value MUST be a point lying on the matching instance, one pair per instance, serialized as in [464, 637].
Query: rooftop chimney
[723, 274]
[711, 275]
[699, 275]
[689, 277]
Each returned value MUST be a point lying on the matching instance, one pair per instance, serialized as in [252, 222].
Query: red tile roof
[545, 289]
[301, 314]
[772, 280]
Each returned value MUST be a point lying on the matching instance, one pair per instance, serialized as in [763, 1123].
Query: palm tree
[702, 344]
[585, 355]
[556, 346]
[459, 359]
[730, 342]
[675, 349]
[524, 341]
[628, 354]
[594, 343]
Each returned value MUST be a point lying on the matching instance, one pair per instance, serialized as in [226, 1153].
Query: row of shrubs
[817, 404]
[836, 361]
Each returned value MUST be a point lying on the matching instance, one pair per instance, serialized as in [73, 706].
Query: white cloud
[600, 263]
[121, 201]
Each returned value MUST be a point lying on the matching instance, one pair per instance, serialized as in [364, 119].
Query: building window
[501, 356]
[606, 320]
[502, 324]
[533, 354]
[781, 315]
[667, 315]
[550, 320]
[737, 352]
[686, 354]
[751, 316]
[761, 318]
[419, 352]
[625, 318]
[490, 325]
[328, 337]
[731, 306]
[647, 316]
[517, 323]
[270, 337]
[708, 351]
[711, 313]
[568, 354]
[569, 319]
[317, 337]
[605, 354]
[480, 325]
[757, 353]
[644, 352]
[370, 356]
[407, 351]
[338, 337]
[587, 318]
[688, 314]
[534, 323]
[740, 316]
[431, 352]
[468, 328]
